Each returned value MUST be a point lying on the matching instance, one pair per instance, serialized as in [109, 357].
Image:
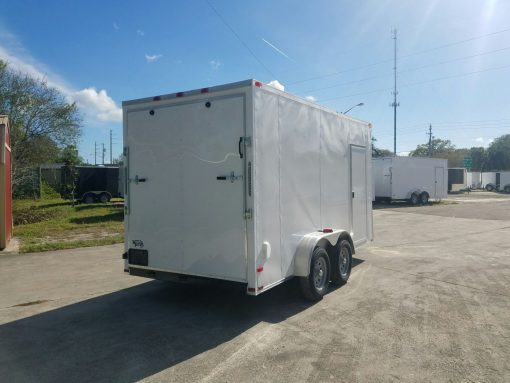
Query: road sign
[468, 162]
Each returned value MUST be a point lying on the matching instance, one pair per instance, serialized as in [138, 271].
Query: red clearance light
[204, 90]
[327, 230]
[258, 83]
[156, 98]
[180, 94]
[260, 288]
[260, 269]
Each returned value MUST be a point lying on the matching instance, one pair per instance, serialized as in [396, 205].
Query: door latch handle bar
[232, 177]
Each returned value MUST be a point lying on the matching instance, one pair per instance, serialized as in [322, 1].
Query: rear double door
[186, 187]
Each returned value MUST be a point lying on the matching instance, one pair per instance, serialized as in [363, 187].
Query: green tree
[498, 154]
[378, 152]
[478, 155]
[70, 158]
[440, 148]
[41, 120]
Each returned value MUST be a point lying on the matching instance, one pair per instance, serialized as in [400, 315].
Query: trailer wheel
[507, 189]
[489, 188]
[424, 198]
[104, 198]
[342, 264]
[316, 284]
[414, 199]
[88, 198]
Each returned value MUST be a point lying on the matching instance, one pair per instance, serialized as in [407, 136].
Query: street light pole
[352, 107]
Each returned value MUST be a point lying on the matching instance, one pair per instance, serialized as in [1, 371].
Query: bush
[48, 192]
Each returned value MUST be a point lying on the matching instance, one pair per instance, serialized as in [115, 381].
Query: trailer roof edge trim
[240, 84]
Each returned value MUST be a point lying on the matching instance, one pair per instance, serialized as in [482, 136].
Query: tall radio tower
[394, 104]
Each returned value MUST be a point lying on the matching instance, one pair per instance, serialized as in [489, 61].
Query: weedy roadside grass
[55, 224]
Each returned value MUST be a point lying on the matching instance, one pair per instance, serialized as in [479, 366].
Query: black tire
[104, 198]
[507, 189]
[88, 198]
[424, 198]
[414, 199]
[342, 264]
[489, 188]
[316, 284]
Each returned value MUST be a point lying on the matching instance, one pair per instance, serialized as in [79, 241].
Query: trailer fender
[309, 242]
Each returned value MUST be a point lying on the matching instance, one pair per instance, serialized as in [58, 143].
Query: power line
[239, 38]
[406, 70]
[418, 83]
[404, 56]
[456, 43]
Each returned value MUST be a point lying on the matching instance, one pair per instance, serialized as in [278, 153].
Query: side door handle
[137, 179]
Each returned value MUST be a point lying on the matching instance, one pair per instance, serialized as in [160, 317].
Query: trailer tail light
[258, 83]
[328, 230]
[260, 269]
[156, 98]
[204, 90]
[251, 289]
[179, 94]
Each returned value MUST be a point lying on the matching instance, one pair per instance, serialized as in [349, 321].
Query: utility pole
[104, 150]
[430, 140]
[95, 152]
[111, 159]
[394, 104]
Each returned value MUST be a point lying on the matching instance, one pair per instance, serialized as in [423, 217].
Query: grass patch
[54, 224]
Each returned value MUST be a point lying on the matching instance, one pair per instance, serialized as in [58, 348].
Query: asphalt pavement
[427, 301]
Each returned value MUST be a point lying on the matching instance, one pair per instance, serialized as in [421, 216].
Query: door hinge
[247, 214]
[247, 141]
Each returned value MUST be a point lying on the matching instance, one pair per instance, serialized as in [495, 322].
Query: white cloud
[96, 106]
[311, 98]
[152, 58]
[115, 26]
[215, 64]
[139, 32]
[483, 141]
[276, 84]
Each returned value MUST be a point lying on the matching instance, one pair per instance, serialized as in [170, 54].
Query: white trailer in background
[474, 180]
[415, 179]
[492, 181]
[245, 183]
[457, 179]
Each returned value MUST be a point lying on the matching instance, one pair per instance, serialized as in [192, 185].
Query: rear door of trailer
[186, 195]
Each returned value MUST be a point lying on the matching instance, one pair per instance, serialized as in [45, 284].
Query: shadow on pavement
[400, 204]
[136, 332]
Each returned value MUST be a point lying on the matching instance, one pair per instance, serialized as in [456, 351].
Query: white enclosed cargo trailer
[496, 181]
[415, 179]
[245, 183]
[457, 179]
[474, 180]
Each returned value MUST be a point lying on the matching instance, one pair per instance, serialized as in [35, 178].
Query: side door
[359, 186]
[439, 183]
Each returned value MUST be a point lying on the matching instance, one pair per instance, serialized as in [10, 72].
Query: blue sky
[453, 58]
